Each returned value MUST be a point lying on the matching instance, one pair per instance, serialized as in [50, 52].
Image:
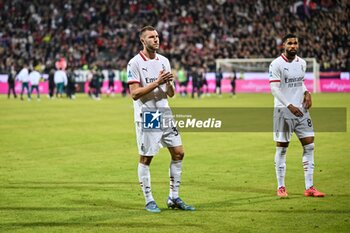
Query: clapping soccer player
[151, 82]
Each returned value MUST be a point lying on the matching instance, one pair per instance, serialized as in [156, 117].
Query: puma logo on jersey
[145, 69]
[286, 69]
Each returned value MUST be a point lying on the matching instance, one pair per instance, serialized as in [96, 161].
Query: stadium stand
[104, 32]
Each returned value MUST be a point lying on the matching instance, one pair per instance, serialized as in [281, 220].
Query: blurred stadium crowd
[105, 32]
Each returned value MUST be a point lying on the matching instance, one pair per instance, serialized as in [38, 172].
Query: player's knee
[181, 155]
[307, 140]
[178, 156]
[146, 160]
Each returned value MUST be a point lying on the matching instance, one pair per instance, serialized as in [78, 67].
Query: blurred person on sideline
[11, 81]
[34, 78]
[91, 79]
[182, 79]
[51, 83]
[124, 81]
[111, 76]
[97, 80]
[204, 82]
[70, 84]
[23, 76]
[60, 78]
[233, 83]
[218, 78]
[196, 82]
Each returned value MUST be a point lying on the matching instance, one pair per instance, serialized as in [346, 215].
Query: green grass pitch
[71, 166]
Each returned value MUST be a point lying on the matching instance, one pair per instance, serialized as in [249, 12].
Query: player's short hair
[146, 28]
[288, 36]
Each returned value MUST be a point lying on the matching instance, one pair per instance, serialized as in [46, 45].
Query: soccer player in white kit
[151, 82]
[291, 104]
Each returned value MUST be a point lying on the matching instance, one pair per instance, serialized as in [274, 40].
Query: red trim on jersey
[296, 59]
[133, 81]
[284, 57]
[275, 81]
[143, 56]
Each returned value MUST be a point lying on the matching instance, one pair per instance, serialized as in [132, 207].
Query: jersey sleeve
[276, 92]
[274, 73]
[133, 72]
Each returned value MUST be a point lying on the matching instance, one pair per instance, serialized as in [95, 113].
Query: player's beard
[291, 53]
[152, 49]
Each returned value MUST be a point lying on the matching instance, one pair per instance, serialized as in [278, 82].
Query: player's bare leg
[308, 164]
[280, 167]
[175, 171]
[145, 183]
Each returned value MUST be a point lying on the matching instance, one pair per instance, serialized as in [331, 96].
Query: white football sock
[145, 181]
[308, 164]
[175, 171]
[280, 165]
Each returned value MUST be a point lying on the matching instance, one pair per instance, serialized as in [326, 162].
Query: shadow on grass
[97, 225]
[71, 185]
[47, 209]
[107, 204]
[71, 182]
[269, 192]
[250, 197]
[243, 189]
[290, 211]
[235, 205]
[106, 211]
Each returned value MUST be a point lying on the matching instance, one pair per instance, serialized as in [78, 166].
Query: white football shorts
[284, 126]
[149, 142]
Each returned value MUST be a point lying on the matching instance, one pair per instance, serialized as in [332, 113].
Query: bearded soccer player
[151, 83]
[292, 102]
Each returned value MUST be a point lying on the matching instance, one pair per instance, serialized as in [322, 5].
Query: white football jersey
[145, 71]
[23, 75]
[291, 78]
[34, 77]
[60, 77]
